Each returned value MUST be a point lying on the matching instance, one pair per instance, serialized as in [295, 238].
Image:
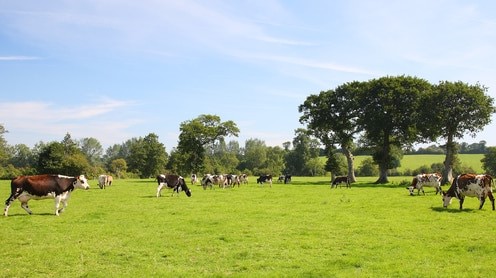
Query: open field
[301, 229]
[415, 161]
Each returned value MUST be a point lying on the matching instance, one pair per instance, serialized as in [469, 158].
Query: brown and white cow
[177, 183]
[470, 185]
[39, 187]
[421, 180]
[340, 180]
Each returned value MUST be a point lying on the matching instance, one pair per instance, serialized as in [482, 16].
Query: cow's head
[446, 199]
[184, 187]
[81, 182]
[411, 189]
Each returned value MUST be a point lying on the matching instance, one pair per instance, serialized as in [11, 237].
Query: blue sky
[114, 70]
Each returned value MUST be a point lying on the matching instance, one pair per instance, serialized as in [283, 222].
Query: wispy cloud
[18, 58]
[48, 119]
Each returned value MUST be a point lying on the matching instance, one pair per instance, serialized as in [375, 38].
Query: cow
[340, 180]
[231, 180]
[110, 179]
[175, 182]
[265, 178]
[102, 181]
[287, 179]
[243, 179]
[284, 178]
[206, 181]
[194, 179]
[470, 185]
[39, 187]
[421, 180]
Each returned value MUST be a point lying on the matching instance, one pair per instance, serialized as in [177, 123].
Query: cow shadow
[20, 214]
[452, 210]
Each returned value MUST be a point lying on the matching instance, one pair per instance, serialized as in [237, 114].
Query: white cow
[102, 181]
[421, 180]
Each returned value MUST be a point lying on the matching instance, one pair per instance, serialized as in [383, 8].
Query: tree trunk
[383, 177]
[351, 167]
[449, 160]
[383, 164]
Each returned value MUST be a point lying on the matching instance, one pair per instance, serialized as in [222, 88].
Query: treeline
[145, 157]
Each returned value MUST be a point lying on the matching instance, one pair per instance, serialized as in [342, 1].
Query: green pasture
[304, 229]
[415, 161]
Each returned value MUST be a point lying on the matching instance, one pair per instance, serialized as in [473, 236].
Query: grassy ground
[301, 229]
[413, 162]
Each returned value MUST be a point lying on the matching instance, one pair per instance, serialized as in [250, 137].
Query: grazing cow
[207, 181]
[340, 180]
[281, 178]
[175, 182]
[243, 179]
[287, 179]
[39, 187]
[104, 181]
[231, 180]
[265, 178]
[194, 179]
[470, 185]
[421, 180]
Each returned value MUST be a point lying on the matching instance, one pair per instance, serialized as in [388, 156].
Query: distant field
[415, 161]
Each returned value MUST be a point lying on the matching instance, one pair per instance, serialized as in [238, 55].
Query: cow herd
[464, 185]
[59, 187]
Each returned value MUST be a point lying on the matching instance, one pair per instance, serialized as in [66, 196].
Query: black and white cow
[175, 182]
[231, 180]
[243, 179]
[340, 180]
[194, 179]
[470, 185]
[39, 187]
[265, 178]
[287, 179]
[421, 180]
[206, 181]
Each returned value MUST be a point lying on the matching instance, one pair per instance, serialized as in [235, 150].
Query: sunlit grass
[301, 229]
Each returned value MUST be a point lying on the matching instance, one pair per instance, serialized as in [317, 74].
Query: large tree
[453, 110]
[389, 117]
[332, 117]
[195, 135]
[148, 156]
[92, 148]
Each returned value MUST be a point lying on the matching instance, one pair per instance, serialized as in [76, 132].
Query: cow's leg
[25, 206]
[461, 202]
[57, 204]
[482, 201]
[159, 188]
[491, 197]
[8, 202]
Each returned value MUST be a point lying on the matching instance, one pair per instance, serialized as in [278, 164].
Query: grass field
[413, 162]
[304, 229]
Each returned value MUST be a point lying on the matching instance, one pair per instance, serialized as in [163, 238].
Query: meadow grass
[415, 161]
[304, 229]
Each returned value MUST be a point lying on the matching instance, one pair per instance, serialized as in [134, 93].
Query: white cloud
[18, 58]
